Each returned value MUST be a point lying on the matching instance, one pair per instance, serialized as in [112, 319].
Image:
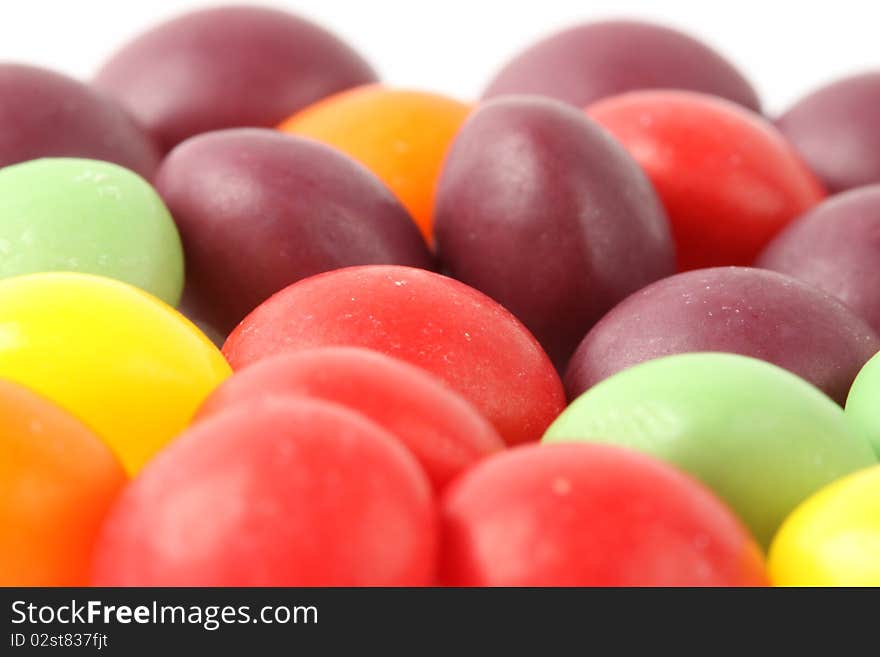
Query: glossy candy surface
[571, 222]
[863, 403]
[451, 330]
[832, 539]
[275, 492]
[761, 438]
[45, 114]
[258, 211]
[590, 515]
[747, 311]
[836, 247]
[57, 481]
[125, 363]
[400, 135]
[379, 289]
[443, 431]
[227, 67]
[837, 131]
[589, 62]
[67, 214]
[728, 179]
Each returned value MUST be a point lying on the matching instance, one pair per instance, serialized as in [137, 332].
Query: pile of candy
[604, 326]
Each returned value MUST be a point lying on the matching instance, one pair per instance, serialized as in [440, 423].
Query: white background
[785, 48]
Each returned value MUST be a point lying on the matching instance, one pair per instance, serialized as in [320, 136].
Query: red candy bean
[277, 492]
[445, 327]
[728, 179]
[590, 515]
[443, 431]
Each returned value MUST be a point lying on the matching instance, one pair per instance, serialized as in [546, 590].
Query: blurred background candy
[227, 67]
[590, 515]
[442, 430]
[728, 179]
[588, 62]
[125, 363]
[734, 309]
[46, 114]
[761, 438]
[438, 47]
[258, 211]
[66, 214]
[837, 130]
[275, 492]
[400, 135]
[836, 247]
[832, 539]
[451, 330]
[863, 403]
[57, 481]
[540, 209]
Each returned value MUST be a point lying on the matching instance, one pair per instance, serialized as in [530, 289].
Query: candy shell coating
[128, 365]
[68, 214]
[833, 538]
[46, 114]
[588, 62]
[401, 135]
[542, 210]
[728, 179]
[226, 67]
[590, 515]
[57, 481]
[274, 492]
[460, 335]
[863, 403]
[836, 247]
[836, 129]
[739, 310]
[444, 432]
[760, 437]
[259, 210]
